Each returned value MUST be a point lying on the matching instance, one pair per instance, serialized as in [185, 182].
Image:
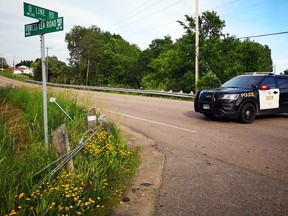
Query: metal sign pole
[44, 88]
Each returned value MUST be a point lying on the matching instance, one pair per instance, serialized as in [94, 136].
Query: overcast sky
[141, 21]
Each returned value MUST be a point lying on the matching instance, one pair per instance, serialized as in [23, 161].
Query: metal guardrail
[135, 91]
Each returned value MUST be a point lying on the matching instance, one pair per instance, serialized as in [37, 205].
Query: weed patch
[103, 167]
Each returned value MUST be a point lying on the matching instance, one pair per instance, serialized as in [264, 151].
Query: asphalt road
[212, 167]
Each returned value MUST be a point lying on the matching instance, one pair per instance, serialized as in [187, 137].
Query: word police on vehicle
[245, 96]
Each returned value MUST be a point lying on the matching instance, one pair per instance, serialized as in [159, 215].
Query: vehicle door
[268, 94]
[282, 82]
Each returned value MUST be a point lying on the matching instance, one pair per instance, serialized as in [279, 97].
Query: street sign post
[43, 27]
[39, 12]
[48, 22]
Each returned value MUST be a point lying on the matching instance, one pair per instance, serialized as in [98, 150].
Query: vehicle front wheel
[247, 113]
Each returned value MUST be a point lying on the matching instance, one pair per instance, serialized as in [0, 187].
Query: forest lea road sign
[43, 27]
[38, 12]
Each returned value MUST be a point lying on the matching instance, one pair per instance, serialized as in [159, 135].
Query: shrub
[209, 80]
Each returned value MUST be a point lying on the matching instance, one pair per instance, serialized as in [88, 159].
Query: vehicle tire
[247, 113]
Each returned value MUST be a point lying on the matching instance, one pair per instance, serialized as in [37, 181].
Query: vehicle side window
[269, 81]
[282, 82]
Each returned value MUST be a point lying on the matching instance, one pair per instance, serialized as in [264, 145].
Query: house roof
[22, 67]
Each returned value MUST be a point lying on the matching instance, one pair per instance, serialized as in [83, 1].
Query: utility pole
[196, 47]
[47, 74]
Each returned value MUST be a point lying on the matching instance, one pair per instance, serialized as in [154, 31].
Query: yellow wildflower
[13, 212]
[21, 195]
[91, 200]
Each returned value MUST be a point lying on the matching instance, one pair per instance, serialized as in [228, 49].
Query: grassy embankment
[102, 168]
[19, 77]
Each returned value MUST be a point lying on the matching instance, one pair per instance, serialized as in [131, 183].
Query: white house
[23, 70]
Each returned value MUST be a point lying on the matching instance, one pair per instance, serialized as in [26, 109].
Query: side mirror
[264, 87]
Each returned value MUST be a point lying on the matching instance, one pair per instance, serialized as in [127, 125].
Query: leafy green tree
[168, 66]
[255, 57]
[57, 70]
[76, 49]
[157, 47]
[37, 69]
[120, 63]
[102, 58]
[208, 80]
[210, 25]
[3, 62]
[225, 55]
[285, 71]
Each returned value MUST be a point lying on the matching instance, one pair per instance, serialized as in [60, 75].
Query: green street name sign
[43, 27]
[38, 12]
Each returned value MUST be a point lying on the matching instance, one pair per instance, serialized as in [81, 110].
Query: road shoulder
[141, 196]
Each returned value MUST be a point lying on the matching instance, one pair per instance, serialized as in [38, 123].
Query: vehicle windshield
[246, 82]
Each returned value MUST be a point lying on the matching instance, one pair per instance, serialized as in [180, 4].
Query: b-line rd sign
[39, 12]
[43, 27]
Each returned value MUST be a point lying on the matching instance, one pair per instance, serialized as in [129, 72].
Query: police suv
[245, 96]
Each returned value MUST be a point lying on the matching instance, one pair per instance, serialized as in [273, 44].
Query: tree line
[99, 58]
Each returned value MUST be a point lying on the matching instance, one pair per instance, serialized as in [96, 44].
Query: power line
[124, 17]
[134, 10]
[264, 35]
[225, 4]
[151, 14]
[151, 29]
[160, 26]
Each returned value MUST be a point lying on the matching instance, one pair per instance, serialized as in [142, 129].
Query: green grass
[103, 168]
[20, 77]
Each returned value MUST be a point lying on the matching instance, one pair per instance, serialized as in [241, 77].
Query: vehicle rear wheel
[247, 113]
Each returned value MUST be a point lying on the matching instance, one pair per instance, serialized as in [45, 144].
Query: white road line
[151, 121]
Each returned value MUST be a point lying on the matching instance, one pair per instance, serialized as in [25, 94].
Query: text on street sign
[39, 12]
[43, 27]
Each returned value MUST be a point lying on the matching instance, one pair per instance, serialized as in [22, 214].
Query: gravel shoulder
[140, 199]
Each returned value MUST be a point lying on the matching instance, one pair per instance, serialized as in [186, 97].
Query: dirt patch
[141, 196]
[15, 124]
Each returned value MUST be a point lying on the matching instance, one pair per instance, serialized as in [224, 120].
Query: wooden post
[62, 146]
[92, 119]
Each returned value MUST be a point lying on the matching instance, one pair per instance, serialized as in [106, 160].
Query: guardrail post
[92, 119]
[62, 146]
